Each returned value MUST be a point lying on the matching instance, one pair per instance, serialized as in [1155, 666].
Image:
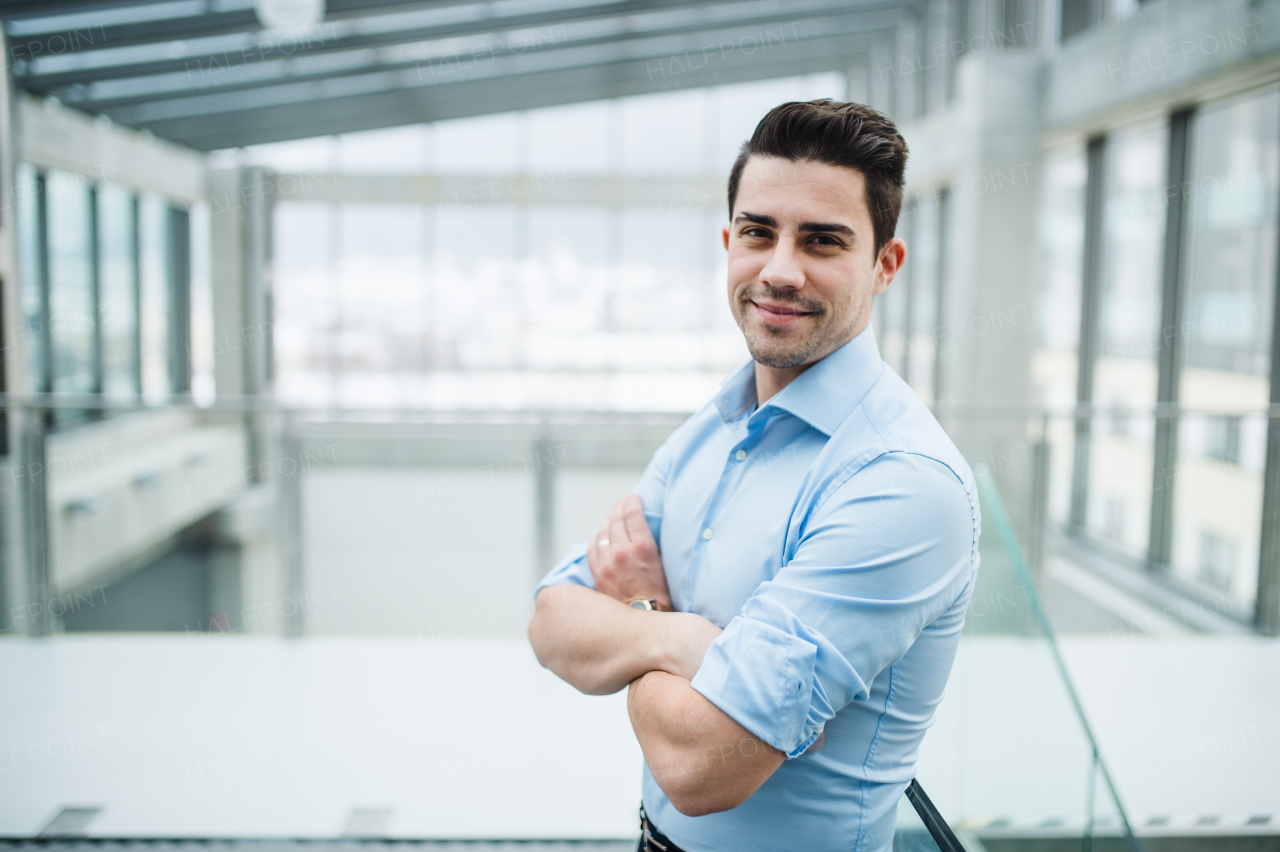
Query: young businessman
[784, 591]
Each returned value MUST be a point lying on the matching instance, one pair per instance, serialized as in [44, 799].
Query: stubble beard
[781, 349]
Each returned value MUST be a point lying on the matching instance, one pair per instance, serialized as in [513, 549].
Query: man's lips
[778, 313]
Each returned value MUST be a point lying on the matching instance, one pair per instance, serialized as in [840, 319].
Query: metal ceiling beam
[654, 59]
[500, 94]
[17, 10]
[47, 83]
[245, 21]
[884, 17]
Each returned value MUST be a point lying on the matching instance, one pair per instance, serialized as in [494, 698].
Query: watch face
[642, 604]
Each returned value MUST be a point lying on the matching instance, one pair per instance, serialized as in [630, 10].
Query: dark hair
[839, 134]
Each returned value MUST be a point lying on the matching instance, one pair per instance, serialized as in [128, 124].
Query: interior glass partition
[1230, 284]
[1125, 373]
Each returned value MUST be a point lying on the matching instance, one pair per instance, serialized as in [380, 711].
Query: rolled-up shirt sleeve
[880, 558]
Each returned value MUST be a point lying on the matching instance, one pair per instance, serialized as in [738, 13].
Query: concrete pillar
[985, 149]
[240, 255]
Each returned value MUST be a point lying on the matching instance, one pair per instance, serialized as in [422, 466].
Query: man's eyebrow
[811, 227]
[806, 227]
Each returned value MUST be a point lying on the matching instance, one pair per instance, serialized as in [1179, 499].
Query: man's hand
[624, 558]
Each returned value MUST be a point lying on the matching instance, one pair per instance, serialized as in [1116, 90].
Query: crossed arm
[701, 758]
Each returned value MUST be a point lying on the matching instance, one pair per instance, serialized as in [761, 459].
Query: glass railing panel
[1022, 760]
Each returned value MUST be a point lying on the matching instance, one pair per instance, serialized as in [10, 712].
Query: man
[784, 592]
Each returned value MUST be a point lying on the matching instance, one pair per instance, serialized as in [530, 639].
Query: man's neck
[770, 380]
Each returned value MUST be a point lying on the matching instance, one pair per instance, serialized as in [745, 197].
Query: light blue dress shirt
[833, 534]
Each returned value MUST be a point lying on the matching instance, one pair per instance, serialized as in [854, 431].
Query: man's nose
[783, 269]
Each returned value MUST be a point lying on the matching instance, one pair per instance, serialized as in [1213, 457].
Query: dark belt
[652, 840]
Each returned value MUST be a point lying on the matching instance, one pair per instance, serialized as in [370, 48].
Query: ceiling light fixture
[289, 14]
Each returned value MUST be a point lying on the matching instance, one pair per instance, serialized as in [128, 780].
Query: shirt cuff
[764, 678]
[573, 568]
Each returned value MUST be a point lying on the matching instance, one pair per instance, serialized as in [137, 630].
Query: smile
[776, 314]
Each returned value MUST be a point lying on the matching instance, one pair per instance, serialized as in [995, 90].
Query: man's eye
[755, 232]
[826, 241]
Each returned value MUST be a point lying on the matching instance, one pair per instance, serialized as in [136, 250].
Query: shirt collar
[821, 396]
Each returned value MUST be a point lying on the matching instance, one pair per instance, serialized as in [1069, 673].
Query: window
[1125, 372]
[104, 296]
[154, 297]
[1229, 284]
[72, 302]
[118, 291]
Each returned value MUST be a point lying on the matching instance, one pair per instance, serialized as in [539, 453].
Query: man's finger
[618, 530]
[633, 515]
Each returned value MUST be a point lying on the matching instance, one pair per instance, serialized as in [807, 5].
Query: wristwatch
[648, 603]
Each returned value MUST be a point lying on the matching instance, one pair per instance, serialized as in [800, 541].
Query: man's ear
[889, 262]
[724, 232]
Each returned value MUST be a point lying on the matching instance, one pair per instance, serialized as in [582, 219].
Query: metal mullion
[179, 287]
[44, 382]
[1267, 605]
[1090, 314]
[135, 251]
[1173, 290]
[95, 286]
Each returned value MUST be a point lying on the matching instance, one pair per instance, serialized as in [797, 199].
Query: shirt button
[707, 533]
[740, 455]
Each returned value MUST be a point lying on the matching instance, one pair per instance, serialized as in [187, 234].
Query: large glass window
[153, 250]
[98, 288]
[1120, 468]
[920, 350]
[118, 290]
[1060, 271]
[1227, 311]
[72, 308]
[464, 303]
[1060, 261]
[891, 305]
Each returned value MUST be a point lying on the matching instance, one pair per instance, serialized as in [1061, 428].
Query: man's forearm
[599, 645]
[701, 758]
